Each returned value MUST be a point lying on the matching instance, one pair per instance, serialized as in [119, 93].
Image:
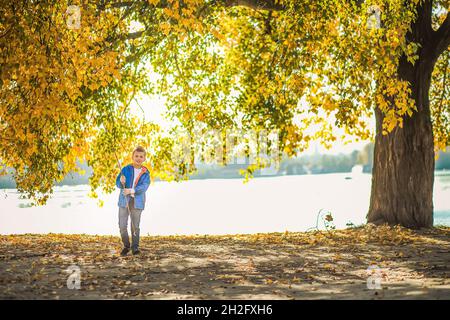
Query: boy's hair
[139, 149]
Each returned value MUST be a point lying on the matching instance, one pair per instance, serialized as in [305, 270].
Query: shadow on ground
[412, 265]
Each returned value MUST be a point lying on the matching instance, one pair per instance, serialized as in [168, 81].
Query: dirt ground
[313, 265]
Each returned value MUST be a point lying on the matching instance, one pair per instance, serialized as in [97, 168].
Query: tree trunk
[403, 170]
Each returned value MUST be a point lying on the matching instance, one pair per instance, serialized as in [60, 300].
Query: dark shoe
[124, 252]
[136, 251]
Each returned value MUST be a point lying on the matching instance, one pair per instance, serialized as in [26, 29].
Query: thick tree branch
[421, 29]
[255, 4]
[441, 37]
[124, 4]
[134, 35]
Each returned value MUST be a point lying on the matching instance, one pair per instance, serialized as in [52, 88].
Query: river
[213, 206]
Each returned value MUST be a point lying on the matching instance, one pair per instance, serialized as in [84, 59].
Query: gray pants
[123, 225]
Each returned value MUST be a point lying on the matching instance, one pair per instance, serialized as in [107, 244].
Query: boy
[134, 180]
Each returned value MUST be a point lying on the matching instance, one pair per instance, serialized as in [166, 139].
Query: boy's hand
[128, 191]
[122, 179]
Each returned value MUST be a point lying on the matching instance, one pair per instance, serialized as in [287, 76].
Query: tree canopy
[283, 66]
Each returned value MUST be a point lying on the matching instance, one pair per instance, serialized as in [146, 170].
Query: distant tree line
[305, 164]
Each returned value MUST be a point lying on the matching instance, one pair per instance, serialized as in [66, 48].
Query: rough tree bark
[403, 168]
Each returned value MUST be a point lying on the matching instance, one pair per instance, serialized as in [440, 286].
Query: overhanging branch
[255, 4]
[441, 37]
[134, 35]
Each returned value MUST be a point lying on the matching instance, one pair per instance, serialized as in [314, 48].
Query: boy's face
[138, 158]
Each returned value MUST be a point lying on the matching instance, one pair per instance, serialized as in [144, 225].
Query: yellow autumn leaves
[65, 93]
[49, 72]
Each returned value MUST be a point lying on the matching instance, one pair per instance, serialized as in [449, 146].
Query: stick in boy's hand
[122, 179]
[128, 192]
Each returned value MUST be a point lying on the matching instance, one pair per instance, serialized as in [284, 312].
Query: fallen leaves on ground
[263, 265]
